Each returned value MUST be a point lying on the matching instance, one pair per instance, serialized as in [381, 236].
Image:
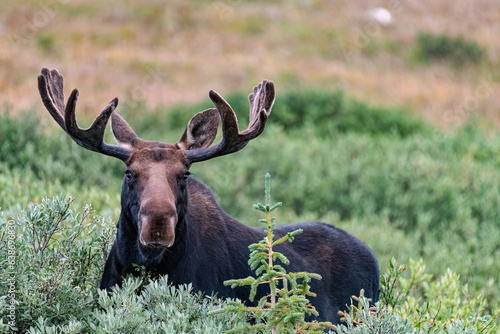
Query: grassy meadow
[389, 132]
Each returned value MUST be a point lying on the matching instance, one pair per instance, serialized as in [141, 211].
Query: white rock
[381, 15]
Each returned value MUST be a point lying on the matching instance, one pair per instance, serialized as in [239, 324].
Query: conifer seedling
[284, 309]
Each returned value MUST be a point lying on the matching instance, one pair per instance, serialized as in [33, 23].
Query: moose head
[154, 186]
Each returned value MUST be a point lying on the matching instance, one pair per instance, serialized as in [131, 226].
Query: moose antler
[50, 86]
[261, 102]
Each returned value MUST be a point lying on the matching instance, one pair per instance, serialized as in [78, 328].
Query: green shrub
[147, 307]
[419, 303]
[158, 307]
[398, 184]
[364, 320]
[58, 258]
[442, 47]
[331, 114]
[27, 145]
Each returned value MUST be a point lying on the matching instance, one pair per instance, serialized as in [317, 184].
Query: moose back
[171, 223]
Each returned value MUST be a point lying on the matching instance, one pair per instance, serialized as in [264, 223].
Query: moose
[171, 224]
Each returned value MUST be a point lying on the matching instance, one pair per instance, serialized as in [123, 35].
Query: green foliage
[160, 308]
[284, 309]
[370, 170]
[419, 304]
[36, 164]
[153, 307]
[364, 319]
[58, 258]
[25, 146]
[442, 47]
[331, 113]
[59, 255]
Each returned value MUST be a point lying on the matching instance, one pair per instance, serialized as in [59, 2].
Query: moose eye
[128, 175]
[186, 176]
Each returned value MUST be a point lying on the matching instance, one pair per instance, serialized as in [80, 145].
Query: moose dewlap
[171, 224]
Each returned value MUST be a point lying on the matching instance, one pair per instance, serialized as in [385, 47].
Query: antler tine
[261, 103]
[52, 95]
[50, 85]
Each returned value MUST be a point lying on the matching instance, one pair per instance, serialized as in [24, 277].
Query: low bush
[55, 267]
[418, 304]
[442, 47]
[55, 263]
[59, 254]
[158, 307]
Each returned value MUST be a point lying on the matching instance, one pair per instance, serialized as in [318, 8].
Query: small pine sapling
[284, 309]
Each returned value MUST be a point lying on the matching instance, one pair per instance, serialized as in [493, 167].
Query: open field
[163, 52]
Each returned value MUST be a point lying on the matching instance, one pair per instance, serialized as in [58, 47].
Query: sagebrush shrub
[59, 258]
[59, 254]
[418, 304]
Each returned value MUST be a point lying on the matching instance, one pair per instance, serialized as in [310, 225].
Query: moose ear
[122, 132]
[200, 131]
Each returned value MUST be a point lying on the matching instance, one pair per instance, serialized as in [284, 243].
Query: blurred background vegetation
[386, 129]
[430, 57]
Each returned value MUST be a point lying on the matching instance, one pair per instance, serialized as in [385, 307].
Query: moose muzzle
[157, 226]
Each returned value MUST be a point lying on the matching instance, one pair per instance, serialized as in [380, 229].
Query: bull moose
[171, 224]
